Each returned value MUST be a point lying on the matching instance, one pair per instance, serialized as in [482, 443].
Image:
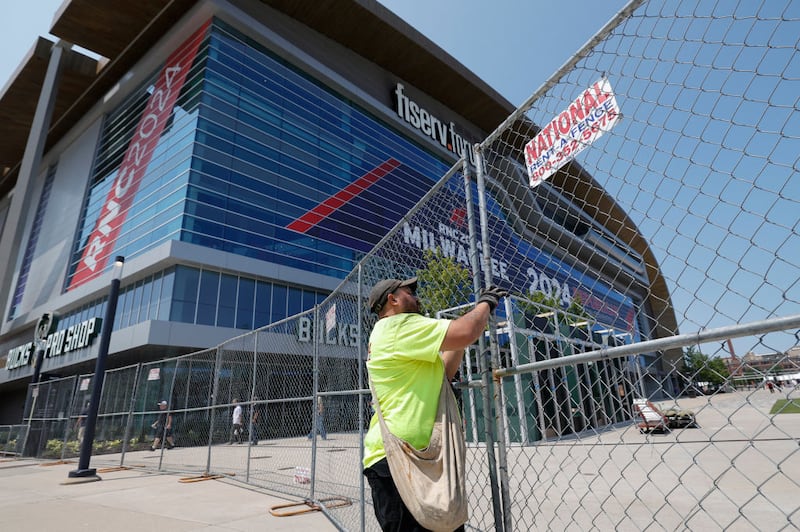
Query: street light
[99, 373]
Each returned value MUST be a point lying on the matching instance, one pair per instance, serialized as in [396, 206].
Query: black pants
[391, 512]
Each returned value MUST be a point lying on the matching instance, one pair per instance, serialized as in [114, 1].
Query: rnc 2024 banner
[101, 241]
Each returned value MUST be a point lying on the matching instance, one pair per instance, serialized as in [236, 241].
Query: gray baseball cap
[380, 292]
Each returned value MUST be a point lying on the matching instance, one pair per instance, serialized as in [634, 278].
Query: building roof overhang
[19, 98]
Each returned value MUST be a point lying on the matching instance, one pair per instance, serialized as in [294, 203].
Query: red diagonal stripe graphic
[330, 205]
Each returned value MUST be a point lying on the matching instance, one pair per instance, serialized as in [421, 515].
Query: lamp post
[99, 374]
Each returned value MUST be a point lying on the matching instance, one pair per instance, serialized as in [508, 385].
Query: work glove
[492, 296]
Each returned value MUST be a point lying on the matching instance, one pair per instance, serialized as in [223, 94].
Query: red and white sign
[302, 475]
[330, 319]
[591, 114]
[100, 243]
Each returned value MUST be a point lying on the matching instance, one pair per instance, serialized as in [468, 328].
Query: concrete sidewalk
[38, 495]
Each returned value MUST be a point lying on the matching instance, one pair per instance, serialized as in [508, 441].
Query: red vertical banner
[103, 237]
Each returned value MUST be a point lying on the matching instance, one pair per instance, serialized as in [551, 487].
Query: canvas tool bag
[431, 481]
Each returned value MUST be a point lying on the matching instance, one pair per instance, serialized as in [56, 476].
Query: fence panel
[112, 431]
[437, 243]
[190, 399]
[664, 158]
[274, 388]
[154, 384]
[48, 418]
[720, 461]
[12, 439]
[342, 406]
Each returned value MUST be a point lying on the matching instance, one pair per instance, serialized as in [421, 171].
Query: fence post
[493, 347]
[361, 362]
[483, 356]
[251, 435]
[213, 409]
[315, 390]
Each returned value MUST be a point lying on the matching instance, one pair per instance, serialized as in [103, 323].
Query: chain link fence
[643, 372]
[663, 157]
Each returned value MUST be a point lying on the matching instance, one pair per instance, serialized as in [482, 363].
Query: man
[236, 423]
[320, 427]
[407, 354]
[162, 427]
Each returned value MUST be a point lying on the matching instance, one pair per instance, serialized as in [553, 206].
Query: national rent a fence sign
[589, 116]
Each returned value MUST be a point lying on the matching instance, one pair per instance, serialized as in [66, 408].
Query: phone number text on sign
[589, 116]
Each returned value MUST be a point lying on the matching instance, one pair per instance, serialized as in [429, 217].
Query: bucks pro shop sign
[57, 343]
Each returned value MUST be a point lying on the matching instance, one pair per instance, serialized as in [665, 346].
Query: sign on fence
[590, 115]
[302, 475]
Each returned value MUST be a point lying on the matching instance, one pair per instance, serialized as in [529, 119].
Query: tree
[443, 283]
[540, 304]
[703, 368]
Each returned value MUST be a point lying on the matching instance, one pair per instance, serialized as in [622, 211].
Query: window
[207, 298]
[227, 301]
[263, 304]
[294, 301]
[244, 308]
[165, 297]
[184, 300]
[278, 311]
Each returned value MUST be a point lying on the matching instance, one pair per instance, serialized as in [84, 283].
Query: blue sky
[24, 22]
[537, 36]
[515, 45]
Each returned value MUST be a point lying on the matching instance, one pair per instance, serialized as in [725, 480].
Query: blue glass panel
[244, 304]
[207, 298]
[147, 294]
[123, 309]
[227, 300]
[165, 300]
[309, 299]
[184, 298]
[155, 296]
[136, 304]
[263, 304]
[278, 302]
[294, 301]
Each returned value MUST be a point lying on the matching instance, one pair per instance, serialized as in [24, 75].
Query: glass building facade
[253, 145]
[201, 296]
[252, 148]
